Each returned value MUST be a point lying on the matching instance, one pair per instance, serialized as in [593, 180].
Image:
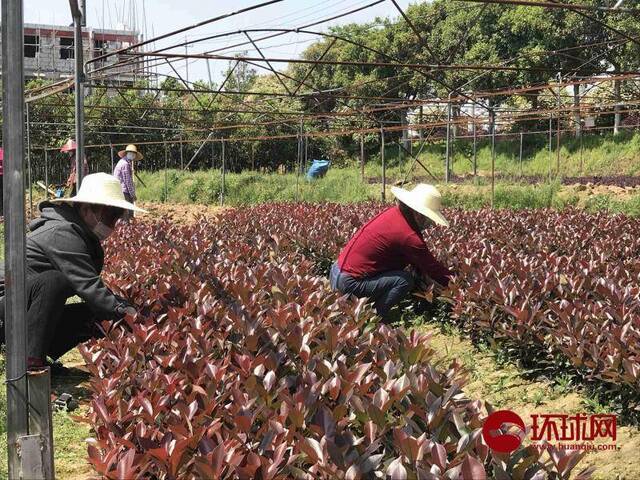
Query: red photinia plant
[243, 364]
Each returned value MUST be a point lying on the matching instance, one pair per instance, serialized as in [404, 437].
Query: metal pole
[166, 167]
[550, 130]
[384, 165]
[362, 156]
[79, 98]
[447, 168]
[299, 163]
[213, 156]
[521, 141]
[581, 154]
[181, 154]
[224, 168]
[493, 157]
[475, 140]
[111, 152]
[46, 173]
[306, 152]
[558, 126]
[15, 292]
[29, 163]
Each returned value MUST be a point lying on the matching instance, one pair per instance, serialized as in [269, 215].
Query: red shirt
[387, 243]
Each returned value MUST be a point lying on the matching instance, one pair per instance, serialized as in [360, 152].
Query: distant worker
[373, 262]
[64, 257]
[70, 149]
[124, 173]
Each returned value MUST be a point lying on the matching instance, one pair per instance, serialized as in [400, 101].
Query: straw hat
[130, 148]
[424, 199]
[101, 189]
[69, 146]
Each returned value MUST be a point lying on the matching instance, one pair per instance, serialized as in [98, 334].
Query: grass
[69, 435]
[251, 187]
[594, 155]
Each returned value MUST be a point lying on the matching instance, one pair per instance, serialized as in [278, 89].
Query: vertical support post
[475, 141]
[521, 142]
[181, 154]
[224, 172]
[299, 162]
[15, 297]
[558, 126]
[213, 156]
[550, 130]
[253, 157]
[306, 152]
[46, 173]
[493, 157]
[29, 180]
[362, 156]
[166, 168]
[420, 120]
[111, 152]
[581, 155]
[384, 165]
[447, 161]
[40, 422]
[79, 98]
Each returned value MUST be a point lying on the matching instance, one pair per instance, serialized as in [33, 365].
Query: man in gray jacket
[65, 258]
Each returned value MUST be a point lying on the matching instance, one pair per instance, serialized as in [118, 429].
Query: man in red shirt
[373, 263]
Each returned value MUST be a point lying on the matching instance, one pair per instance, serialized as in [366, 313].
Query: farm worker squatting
[64, 257]
[70, 149]
[373, 263]
[124, 173]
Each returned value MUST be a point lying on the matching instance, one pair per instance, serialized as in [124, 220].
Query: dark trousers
[385, 289]
[128, 214]
[53, 328]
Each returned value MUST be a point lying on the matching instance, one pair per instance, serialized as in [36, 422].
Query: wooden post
[362, 156]
[40, 422]
[384, 165]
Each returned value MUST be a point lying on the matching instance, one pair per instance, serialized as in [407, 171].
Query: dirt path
[178, 213]
[504, 386]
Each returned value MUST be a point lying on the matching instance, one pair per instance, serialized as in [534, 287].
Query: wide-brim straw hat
[101, 189]
[69, 146]
[424, 199]
[130, 148]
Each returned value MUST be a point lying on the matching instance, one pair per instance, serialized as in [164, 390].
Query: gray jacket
[60, 240]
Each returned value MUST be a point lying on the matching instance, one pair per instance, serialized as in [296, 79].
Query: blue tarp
[318, 169]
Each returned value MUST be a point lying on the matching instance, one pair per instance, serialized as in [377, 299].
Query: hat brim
[107, 203]
[405, 197]
[67, 149]
[123, 153]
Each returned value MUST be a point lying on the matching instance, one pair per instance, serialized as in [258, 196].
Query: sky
[156, 17]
